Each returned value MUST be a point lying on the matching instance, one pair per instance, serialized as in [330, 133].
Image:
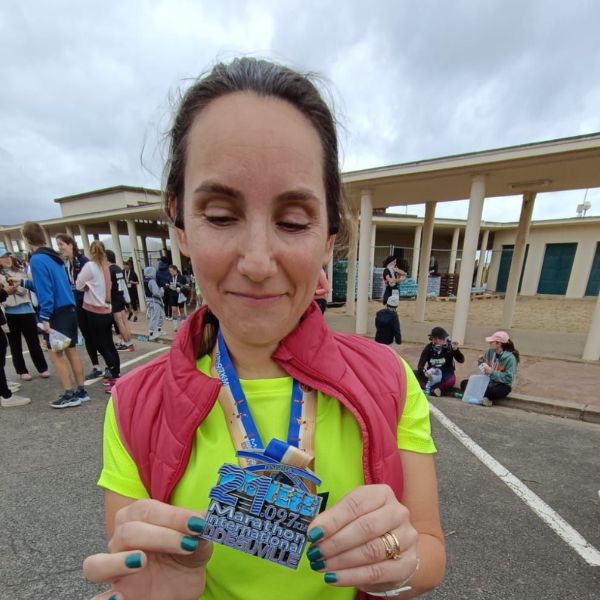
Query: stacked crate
[433, 286]
[448, 285]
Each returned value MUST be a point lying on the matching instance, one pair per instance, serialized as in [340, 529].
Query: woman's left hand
[348, 542]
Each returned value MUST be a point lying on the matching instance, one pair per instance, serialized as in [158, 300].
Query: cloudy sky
[87, 87]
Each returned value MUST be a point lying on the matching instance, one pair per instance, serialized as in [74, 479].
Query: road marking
[539, 507]
[24, 352]
[131, 362]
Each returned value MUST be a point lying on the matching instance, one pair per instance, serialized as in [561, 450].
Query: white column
[372, 259]
[416, 251]
[330, 280]
[85, 240]
[26, 245]
[364, 252]
[424, 261]
[132, 232]
[8, 243]
[516, 264]
[19, 245]
[351, 271]
[482, 254]
[453, 251]
[114, 232]
[463, 295]
[175, 254]
[69, 231]
[592, 344]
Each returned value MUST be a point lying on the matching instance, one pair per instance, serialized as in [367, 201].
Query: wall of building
[104, 202]
[586, 236]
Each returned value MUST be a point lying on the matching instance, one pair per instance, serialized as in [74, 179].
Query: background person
[155, 312]
[8, 398]
[392, 276]
[95, 283]
[500, 362]
[21, 319]
[132, 281]
[56, 311]
[162, 279]
[387, 323]
[74, 262]
[436, 370]
[256, 147]
[176, 297]
[118, 299]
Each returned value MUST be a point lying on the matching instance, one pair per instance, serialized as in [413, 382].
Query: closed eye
[291, 226]
[221, 220]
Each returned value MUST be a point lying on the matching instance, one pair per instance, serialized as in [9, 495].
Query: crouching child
[387, 323]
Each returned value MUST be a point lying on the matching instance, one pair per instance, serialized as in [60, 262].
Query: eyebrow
[213, 187]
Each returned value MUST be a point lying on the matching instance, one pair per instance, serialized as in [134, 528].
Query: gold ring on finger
[392, 545]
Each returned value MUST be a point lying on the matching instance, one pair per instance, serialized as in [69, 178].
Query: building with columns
[558, 257]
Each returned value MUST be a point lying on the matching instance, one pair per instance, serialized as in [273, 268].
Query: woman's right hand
[154, 554]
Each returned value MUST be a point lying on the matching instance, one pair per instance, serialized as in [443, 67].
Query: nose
[257, 253]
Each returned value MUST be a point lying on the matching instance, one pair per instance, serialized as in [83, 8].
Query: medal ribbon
[299, 449]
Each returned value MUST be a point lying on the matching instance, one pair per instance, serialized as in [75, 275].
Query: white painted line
[24, 352]
[131, 362]
[539, 507]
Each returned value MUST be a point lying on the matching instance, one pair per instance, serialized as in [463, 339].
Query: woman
[436, 370]
[254, 191]
[20, 316]
[500, 363]
[132, 281]
[95, 282]
[392, 276]
[74, 262]
[176, 298]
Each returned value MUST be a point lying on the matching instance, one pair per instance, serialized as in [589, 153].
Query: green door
[556, 269]
[593, 285]
[504, 269]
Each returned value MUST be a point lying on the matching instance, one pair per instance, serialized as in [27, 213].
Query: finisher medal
[264, 507]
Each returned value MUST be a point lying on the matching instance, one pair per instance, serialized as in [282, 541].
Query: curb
[558, 408]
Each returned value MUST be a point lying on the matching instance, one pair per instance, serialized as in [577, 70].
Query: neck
[252, 361]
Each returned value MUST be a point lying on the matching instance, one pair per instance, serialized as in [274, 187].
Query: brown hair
[98, 253]
[67, 239]
[33, 233]
[510, 347]
[263, 78]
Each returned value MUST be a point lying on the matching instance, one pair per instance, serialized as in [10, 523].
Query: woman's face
[64, 248]
[495, 346]
[255, 214]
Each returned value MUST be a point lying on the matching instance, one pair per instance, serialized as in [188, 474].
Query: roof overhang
[558, 165]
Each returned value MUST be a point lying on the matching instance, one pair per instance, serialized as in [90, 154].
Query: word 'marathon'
[260, 516]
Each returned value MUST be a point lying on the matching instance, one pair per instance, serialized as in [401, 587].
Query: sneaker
[109, 384]
[25, 377]
[45, 374]
[93, 374]
[14, 400]
[135, 319]
[13, 386]
[437, 392]
[82, 395]
[66, 400]
[154, 335]
[126, 348]
[107, 374]
[486, 402]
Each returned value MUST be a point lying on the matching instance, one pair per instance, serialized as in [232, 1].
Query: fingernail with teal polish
[330, 578]
[314, 554]
[196, 524]
[189, 543]
[317, 566]
[134, 561]
[314, 535]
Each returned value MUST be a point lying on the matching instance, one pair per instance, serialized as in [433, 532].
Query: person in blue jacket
[56, 311]
[163, 278]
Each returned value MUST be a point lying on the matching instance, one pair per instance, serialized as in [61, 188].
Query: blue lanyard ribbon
[230, 380]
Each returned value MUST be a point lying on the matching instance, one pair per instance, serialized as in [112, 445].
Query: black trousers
[167, 303]
[4, 391]
[25, 325]
[492, 392]
[100, 328]
[82, 323]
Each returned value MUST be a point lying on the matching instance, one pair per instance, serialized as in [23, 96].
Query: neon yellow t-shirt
[338, 463]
